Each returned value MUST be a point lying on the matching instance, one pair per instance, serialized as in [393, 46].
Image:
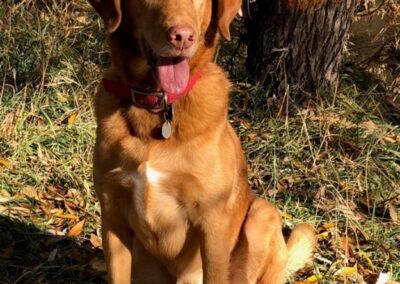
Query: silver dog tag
[166, 129]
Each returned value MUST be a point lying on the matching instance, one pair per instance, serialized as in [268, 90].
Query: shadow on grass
[28, 255]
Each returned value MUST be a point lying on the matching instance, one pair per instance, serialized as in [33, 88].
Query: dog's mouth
[172, 73]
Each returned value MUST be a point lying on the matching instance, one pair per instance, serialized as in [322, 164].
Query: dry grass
[333, 160]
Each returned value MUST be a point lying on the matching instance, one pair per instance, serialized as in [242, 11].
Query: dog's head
[168, 32]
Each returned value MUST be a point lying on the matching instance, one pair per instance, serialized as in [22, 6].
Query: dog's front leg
[215, 249]
[117, 244]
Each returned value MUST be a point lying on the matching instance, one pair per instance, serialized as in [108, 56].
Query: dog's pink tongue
[173, 74]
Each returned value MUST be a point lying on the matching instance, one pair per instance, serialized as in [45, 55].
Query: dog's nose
[181, 36]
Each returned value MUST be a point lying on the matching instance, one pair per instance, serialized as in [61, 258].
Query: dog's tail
[300, 244]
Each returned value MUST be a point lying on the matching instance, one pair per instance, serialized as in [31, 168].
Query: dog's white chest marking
[161, 213]
[153, 176]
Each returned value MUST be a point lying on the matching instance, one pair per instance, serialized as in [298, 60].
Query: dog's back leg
[261, 253]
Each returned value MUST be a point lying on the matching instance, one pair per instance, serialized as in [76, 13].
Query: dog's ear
[110, 11]
[227, 10]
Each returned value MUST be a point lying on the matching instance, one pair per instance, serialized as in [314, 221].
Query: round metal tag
[166, 129]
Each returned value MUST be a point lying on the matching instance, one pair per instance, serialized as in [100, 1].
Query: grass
[332, 160]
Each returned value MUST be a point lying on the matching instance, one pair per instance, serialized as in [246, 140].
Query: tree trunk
[297, 44]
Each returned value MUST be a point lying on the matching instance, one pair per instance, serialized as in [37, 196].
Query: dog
[169, 170]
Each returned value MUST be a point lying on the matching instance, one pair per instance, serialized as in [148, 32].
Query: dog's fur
[179, 210]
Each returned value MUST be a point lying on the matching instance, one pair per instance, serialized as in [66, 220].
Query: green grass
[332, 160]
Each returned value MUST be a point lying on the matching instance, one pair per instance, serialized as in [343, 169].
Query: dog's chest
[160, 222]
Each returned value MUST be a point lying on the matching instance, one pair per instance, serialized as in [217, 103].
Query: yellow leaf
[323, 235]
[77, 229]
[58, 212]
[5, 193]
[62, 98]
[287, 216]
[346, 271]
[328, 226]
[5, 162]
[95, 241]
[366, 257]
[313, 278]
[72, 119]
[66, 216]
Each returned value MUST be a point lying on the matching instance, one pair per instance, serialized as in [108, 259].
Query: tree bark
[296, 45]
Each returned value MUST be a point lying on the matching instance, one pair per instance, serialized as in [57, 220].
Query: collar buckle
[148, 100]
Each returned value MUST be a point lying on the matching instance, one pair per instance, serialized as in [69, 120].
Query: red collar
[149, 99]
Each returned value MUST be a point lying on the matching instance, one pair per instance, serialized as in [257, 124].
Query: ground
[331, 159]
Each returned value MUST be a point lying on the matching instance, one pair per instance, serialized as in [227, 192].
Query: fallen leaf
[313, 278]
[77, 229]
[366, 273]
[4, 199]
[72, 118]
[369, 126]
[392, 140]
[346, 271]
[324, 235]
[287, 216]
[45, 208]
[55, 232]
[95, 241]
[60, 214]
[393, 212]
[252, 136]
[325, 118]
[4, 193]
[21, 210]
[3, 209]
[245, 124]
[366, 257]
[30, 192]
[346, 244]
[82, 19]
[329, 226]
[280, 186]
[70, 211]
[298, 164]
[98, 265]
[5, 162]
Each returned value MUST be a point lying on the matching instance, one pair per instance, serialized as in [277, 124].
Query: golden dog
[169, 170]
